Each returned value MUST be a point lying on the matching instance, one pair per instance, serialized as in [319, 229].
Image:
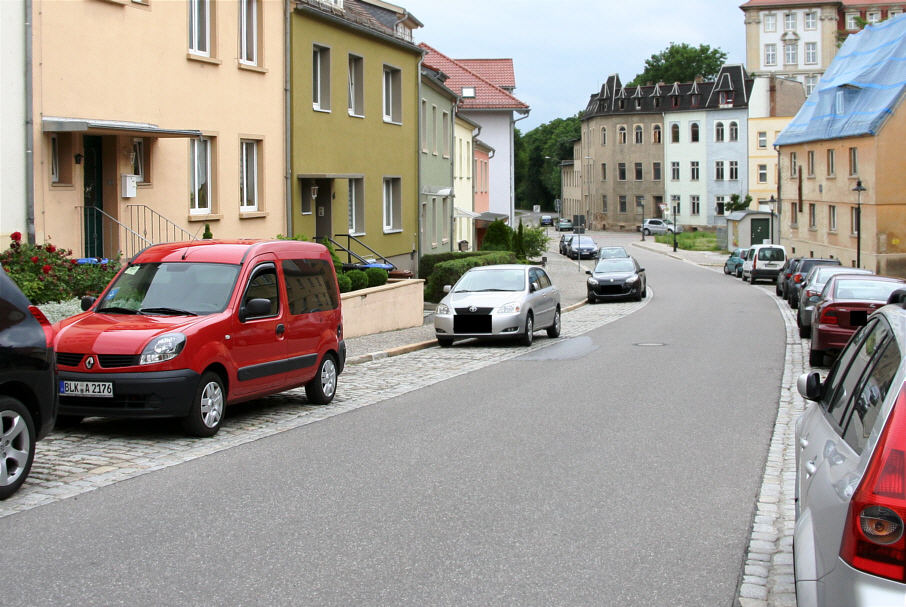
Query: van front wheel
[206, 414]
[323, 386]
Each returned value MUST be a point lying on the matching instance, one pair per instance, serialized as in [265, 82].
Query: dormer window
[725, 98]
[696, 100]
[622, 104]
[638, 104]
[657, 102]
[674, 100]
[468, 92]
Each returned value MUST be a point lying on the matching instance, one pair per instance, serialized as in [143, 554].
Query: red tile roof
[496, 71]
[488, 96]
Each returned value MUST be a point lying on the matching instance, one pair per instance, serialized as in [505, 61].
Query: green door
[761, 231]
[94, 202]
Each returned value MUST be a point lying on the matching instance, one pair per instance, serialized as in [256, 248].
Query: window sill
[252, 214]
[252, 68]
[393, 230]
[834, 176]
[62, 186]
[831, 231]
[202, 217]
[203, 59]
[389, 121]
[794, 226]
[813, 228]
[354, 115]
[321, 110]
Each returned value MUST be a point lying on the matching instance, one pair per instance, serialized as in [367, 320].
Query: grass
[691, 241]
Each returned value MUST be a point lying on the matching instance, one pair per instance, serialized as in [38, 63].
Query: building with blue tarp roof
[842, 157]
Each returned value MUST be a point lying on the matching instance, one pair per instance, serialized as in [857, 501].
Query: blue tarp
[859, 90]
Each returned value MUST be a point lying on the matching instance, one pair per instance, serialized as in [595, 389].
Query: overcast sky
[563, 50]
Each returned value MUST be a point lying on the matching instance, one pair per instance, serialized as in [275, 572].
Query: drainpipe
[287, 118]
[779, 199]
[512, 169]
[417, 249]
[29, 130]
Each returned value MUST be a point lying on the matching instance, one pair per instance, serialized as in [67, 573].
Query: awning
[457, 212]
[489, 217]
[53, 124]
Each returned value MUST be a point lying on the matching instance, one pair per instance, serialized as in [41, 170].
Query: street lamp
[771, 202]
[675, 225]
[642, 206]
[859, 189]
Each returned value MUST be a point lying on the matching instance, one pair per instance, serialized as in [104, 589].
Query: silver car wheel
[328, 378]
[15, 444]
[211, 404]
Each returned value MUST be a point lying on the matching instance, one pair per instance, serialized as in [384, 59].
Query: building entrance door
[93, 220]
[761, 231]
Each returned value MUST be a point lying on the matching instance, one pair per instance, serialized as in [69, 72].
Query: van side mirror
[87, 302]
[254, 308]
[447, 288]
[809, 385]
[534, 286]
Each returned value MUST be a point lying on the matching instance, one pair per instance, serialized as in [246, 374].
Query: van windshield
[171, 288]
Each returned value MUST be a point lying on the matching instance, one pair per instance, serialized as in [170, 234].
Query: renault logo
[89, 362]
[473, 309]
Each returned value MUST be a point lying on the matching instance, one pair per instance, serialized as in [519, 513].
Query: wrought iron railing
[103, 235]
[155, 227]
[361, 251]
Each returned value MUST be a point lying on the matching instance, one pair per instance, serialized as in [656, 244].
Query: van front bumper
[148, 394]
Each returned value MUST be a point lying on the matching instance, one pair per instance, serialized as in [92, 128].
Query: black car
[783, 279]
[797, 277]
[617, 277]
[28, 401]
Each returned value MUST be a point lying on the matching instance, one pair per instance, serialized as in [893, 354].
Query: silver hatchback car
[849, 545]
[502, 301]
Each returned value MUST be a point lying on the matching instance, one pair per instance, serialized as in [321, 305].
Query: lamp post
[858, 190]
[675, 225]
[771, 202]
[642, 206]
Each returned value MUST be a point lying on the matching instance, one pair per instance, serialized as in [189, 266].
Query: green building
[438, 111]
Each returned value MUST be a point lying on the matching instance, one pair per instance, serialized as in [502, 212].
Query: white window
[200, 27]
[791, 53]
[356, 85]
[811, 81]
[693, 170]
[734, 131]
[603, 136]
[468, 92]
[393, 107]
[811, 20]
[831, 163]
[719, 203]
[54, 159]
[393, 204]
[719, 170]
[854, 220]
[762, 139]
[434, 129]
[762, 173]
[852, 21]
[320, 78]
[248, 175]
[734, 170]
[812, 216]
[603, 171]
[811, 52]
[656, 133]
[894, 12]
[693, 132]
[770, 54]
[770, 22]
[446, 134]
[424, 130]
[874, 17]
[719, 131]
[621, 134]
[695, 202]
[656, 171]
[789, 21]
[357, 206]
[832, 218]
[639, 134]
[200, 194]
[853, 162]
[674, 171]
[137, 156]
[794, 165]
[810, 163]
[248, 32]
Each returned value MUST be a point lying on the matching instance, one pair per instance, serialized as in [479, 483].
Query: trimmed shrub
[358, 279]
[427, 262]
[376, 276]
[498, 237]
[534, 240]
[344, 283]
[448, 272]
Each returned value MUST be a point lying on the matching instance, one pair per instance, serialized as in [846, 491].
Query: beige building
[169, 116]
[464, 168]
[571, 182]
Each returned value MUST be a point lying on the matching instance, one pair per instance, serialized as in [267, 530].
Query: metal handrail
[350, 253]
[154, 226]
[127, 241]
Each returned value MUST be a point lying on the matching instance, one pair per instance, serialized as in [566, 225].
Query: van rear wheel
[321, 389]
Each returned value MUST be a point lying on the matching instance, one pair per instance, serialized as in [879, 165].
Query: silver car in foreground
[503, 301]
[848, 543]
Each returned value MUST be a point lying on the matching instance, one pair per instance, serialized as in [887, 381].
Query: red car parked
[186, 328]
[845, 305]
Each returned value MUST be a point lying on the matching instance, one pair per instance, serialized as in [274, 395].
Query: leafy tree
[498, 237]
[538, 154]
[737, 204]
[681, 63]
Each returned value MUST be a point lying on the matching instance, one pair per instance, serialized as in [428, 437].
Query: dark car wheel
[638, 293]
[816, 358]
[323, 386]
[804, 331]
[726, 269]
[17, 445]
[645, 290]
[529, 335]
[206, 413]
[592, 299]
[647, 232]
[554, 329]
[445, 342]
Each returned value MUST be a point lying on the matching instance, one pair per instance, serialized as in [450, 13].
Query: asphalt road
[616, 468]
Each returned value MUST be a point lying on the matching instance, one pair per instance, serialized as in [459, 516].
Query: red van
[186, 328]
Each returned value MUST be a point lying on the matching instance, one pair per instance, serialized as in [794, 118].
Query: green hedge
[448, 272]
[427, 262]
[376, 276]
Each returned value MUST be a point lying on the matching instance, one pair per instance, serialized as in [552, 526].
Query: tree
[538, 154]
[681, 63]
[737, 204]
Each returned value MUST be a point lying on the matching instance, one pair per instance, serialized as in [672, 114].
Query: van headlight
[442, 309]
[162, 348]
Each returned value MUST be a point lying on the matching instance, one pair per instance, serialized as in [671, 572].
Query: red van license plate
[96, 389]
